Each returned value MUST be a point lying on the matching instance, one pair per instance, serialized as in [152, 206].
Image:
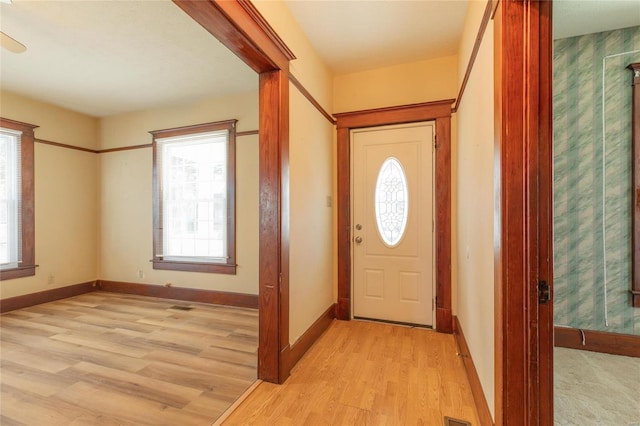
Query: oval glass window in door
[391, 201]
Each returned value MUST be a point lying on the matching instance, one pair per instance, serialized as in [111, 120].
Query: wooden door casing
[440, 111]
[524, 328]
[239, 26]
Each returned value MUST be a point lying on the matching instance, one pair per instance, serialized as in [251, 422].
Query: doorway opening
[440, 113]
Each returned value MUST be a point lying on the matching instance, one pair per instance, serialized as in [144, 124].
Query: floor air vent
[448, 421]
[181, 308]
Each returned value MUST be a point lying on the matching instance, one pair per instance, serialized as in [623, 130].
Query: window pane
[10, 203]
[391, 201]
[194, 190]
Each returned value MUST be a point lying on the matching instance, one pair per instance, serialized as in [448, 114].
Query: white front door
[392, 196]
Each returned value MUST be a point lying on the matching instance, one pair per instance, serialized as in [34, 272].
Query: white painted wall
[475, 218]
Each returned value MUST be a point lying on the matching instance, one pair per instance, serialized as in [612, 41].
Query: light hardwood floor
[111, 359]
[365, 373]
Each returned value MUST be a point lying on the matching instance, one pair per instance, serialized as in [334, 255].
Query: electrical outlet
[140, 273]
[329, 201]
[51, 279]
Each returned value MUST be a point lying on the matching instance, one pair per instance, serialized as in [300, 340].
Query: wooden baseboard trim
[27, 300]
[179, 293]
[484, 414]
[444, 320]
[597, 341]
[302, 345]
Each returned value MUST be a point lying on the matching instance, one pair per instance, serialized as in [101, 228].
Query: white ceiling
[108, 57]
[360, 35]
[578, 17]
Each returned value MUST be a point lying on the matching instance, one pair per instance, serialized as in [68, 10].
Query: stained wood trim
[440, 112]
[121, 148]
[159, 260]
[394, 115]
[24, 301]
[488, 11]
[150, 145]
[178, 293]
[240, 28]
[267, 29]
[598, 341]
[194, 128]
[15, 124]
[311, 99]
[213, 268]
[522, 36]
[343, 308]
[27, 191]
[124, 148]
[479, 397]
[274, 259]
[64, 145]
[442, 188]
[635, 135]
[309, 337]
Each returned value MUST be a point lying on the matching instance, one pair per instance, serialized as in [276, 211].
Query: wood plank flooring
[111, 359]
[364, 373]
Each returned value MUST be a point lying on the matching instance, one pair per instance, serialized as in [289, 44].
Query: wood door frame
[523, 250]
[239, 26]
[440, 112]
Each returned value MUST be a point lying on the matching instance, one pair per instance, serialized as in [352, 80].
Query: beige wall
[126, 201]
[312, 278]
[66, 201]
[404, 84]
[423, 81]
[475, 306]
[311, 242]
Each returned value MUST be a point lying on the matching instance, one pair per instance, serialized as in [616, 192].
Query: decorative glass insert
[391, 201]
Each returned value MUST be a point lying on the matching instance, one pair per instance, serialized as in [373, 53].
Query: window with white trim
[194, 198]
[16, 200]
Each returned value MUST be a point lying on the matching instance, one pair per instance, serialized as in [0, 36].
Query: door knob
[358, 240]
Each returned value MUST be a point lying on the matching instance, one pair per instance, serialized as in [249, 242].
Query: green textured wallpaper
[592, 209]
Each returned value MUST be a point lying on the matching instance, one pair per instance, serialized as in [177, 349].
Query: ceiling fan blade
[11, 44]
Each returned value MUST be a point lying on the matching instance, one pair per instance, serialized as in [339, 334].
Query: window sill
[23, 271]
[214, 268]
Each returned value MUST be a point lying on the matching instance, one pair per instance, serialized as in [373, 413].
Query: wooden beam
[239, 26]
